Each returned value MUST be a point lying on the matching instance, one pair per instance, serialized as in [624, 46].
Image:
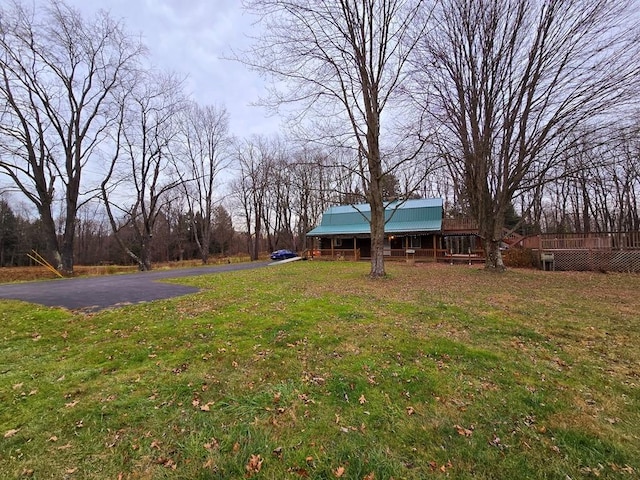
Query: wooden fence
[608, 251]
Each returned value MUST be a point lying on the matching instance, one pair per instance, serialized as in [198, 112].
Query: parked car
[283, 255]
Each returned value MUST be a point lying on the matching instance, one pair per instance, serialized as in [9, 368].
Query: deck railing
[459, 224]
[584, 241]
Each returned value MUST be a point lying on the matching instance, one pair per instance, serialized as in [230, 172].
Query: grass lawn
[311, 370]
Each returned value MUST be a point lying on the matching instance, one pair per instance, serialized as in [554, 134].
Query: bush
[519, 257]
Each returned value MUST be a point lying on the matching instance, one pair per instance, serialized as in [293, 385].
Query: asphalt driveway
[97, 293]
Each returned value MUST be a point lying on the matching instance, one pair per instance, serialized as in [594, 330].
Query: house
[413, 227]
[417, 229]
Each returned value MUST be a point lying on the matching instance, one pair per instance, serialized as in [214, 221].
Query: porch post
[355, 250]
[435, 247]
[332, 253]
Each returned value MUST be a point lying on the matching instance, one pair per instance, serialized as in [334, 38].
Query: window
[415, 242]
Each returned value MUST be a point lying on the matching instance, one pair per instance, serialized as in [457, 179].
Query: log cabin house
[415, 229]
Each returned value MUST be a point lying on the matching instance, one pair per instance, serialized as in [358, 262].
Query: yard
[311, 370]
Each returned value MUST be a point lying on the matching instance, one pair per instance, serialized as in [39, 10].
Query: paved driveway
[97, 293]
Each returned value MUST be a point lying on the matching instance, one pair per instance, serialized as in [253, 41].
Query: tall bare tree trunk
[350, 58]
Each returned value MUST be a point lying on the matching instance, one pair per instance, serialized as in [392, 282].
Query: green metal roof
[411, 216]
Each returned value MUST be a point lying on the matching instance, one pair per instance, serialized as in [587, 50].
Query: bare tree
[511, 81]
[311, 175]
[58, 72]
[255, 163]
[599, 192]
[204, 153]
[142, 176]
[344, 62]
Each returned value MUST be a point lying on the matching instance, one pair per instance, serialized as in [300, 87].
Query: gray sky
[190, 37]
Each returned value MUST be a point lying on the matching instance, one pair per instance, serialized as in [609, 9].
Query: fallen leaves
[167, 463]
[180, 369]
[435, 467]
[301, 472]
[496, 441]
[212, 445]
[203, 407]
[254, 465]
[11, 433]
[465, 432]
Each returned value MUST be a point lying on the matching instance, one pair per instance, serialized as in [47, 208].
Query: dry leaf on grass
[213, 444]
[11, 433]
[339, 472]
[465, 432]
[167, 463]
[254, 465]
[301, 472]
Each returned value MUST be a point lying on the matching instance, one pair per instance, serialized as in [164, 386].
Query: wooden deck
[602, 251]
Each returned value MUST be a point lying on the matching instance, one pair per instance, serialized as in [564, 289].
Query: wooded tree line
[501, 107]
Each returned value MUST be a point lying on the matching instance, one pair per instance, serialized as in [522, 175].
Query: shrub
[519, 257]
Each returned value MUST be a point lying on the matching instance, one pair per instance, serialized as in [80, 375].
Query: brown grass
[26, 274]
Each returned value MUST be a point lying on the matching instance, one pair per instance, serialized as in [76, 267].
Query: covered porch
[396, 247]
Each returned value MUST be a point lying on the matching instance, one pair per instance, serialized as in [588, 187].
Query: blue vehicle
[283, 255]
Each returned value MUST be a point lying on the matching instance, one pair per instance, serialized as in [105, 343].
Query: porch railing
[337, 254]
[423, 254]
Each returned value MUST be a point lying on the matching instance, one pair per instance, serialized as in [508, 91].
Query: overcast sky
[190, 37]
